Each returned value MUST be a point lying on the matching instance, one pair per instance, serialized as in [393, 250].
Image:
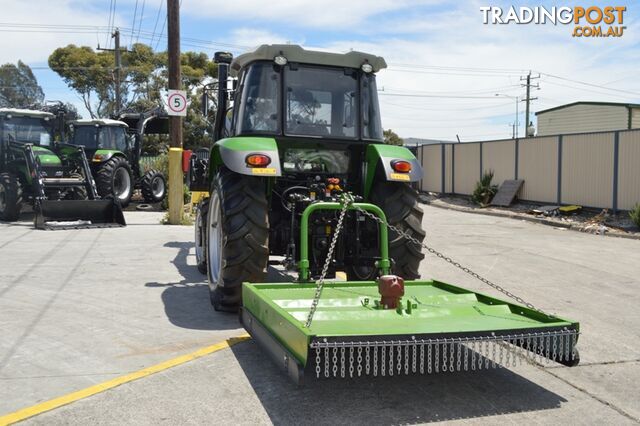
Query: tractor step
[435, 328]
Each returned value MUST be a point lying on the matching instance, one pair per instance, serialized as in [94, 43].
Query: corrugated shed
[467, 167]
[587, 170]
[448, 168]
[500, 156]
[432, 168]
[635, 118]
[583, 118]
[538, 166]
[629, 170]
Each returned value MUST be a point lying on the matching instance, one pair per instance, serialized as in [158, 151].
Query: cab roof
[295, 53]
[26, 113]
[105, 122]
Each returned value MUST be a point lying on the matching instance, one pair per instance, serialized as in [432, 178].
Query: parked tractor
[52, 176]
[302, 127]
[115, 150]
[299, 176]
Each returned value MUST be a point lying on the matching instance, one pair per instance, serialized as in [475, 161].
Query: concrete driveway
[79, 308]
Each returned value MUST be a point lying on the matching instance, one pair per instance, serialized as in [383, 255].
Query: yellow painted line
[52, 404]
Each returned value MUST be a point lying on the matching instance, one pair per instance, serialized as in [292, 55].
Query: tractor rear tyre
[10, 197]
[202, 212]
[400, 204]
[154, 186]
[237, 242]
[114, 179]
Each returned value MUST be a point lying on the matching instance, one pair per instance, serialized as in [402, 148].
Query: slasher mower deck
[438, 328]
[304, 175]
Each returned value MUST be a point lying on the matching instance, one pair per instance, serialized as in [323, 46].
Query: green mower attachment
[389, 327]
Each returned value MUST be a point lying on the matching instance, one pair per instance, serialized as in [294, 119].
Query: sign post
[177, 103]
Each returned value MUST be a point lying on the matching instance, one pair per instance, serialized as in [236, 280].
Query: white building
[582, 117]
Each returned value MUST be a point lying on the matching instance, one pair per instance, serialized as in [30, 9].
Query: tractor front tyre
[10, 197]
[114, 179]
[400, 205]
[202, 212]
[154, 186]
[237, 237]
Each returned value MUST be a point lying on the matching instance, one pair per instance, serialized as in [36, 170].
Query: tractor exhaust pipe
[223, 59]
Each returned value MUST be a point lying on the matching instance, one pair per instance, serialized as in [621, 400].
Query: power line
[108, 39]
[589, 84]
[141, 17]
[441, 108]
[479, 91]
[408, 95]
[582, 89]
[155, 26]
[133, 26]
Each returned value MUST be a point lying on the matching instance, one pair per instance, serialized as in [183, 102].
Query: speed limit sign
[177, 102]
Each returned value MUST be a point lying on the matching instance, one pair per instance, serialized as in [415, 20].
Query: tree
[87, 72]
[144, 79]
[18, 86]
[391, 138]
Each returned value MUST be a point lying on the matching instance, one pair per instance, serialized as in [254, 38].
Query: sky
[445, 67]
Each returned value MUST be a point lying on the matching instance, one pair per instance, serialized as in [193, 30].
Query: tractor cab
[27, 126]
[114, 150]
[98, 135]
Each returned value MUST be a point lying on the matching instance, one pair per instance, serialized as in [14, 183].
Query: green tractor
[53, 177]
[299, 176]
[115, 150]
[303, 127]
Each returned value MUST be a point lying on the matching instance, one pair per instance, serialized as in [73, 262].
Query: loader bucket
[77, 214]
[437, 328]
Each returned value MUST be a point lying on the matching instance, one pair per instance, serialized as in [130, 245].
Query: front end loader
[299, 177]
[115, 147]
[52, 176]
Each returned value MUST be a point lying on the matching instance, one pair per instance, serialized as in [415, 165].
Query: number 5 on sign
[177, 102]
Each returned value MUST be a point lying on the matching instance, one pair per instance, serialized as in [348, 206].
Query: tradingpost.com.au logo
[590, 21]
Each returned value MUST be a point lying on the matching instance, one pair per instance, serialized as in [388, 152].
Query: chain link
[346, 202]
[449, 260]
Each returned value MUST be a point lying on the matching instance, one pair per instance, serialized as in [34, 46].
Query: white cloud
[36, 46]
[460, 40]
[327, 14]
[256, 37]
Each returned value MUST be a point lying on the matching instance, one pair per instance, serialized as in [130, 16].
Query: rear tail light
[401, 166]
[257, 160]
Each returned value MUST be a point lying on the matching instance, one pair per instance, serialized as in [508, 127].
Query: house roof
[295, 53]
[619, 104]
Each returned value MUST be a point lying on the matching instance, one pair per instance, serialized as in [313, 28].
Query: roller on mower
[299, 176]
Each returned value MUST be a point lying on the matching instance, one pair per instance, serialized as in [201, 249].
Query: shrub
[634, 214]
[484, 191]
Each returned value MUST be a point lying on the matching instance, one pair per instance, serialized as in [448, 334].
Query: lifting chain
[450, 261]
[346, 202]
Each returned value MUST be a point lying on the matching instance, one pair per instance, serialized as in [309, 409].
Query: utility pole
[517, 123]
[118, 69]
[176, 198]
[116, 36]
[528, 99]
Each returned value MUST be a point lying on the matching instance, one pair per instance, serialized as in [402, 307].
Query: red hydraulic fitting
[391, 288]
